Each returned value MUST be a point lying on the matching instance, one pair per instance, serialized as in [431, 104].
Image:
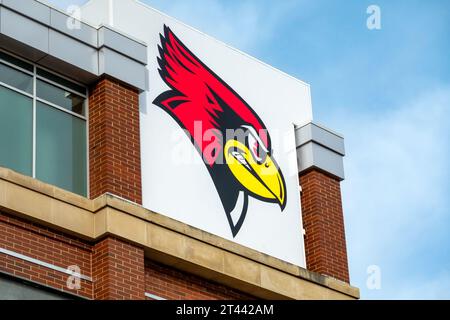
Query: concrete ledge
[165, 240]
[40, 33]
[318, 147]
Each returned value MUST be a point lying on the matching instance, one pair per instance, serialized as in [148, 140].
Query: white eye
[253, 145]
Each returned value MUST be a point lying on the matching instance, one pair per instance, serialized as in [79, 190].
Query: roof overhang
[47, 36]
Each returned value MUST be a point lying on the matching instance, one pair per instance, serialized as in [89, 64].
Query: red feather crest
[198, 95]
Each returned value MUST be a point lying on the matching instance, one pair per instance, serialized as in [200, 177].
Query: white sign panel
[217, 135]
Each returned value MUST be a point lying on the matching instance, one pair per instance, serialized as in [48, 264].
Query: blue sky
[388, 92]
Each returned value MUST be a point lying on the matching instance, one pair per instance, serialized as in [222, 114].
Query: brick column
[118, 271]
[114, 141]
[320, 153]
[323, 221]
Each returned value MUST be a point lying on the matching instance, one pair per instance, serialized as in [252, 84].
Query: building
[91, 204]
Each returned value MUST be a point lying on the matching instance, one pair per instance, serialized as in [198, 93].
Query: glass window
[49, 120]
[61, 149]
[20, 63]
[16, 78]
[60, 97]
[66, 83]
[17, 289]
[16, 131]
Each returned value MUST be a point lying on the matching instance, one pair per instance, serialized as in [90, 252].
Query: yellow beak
[262, 180]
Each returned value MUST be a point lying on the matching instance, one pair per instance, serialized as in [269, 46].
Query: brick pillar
[323, 220]
[118, 271]
[114, 141]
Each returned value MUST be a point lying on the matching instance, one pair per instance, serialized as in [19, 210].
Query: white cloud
[395, 196]
[435, 288]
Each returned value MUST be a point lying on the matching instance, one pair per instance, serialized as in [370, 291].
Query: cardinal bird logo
[240, 164]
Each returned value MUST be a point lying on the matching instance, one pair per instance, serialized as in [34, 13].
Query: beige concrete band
[165, 240]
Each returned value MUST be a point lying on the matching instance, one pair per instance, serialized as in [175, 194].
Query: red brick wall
[172, 284]
[323, 221]
[116, 267]
[114, 142]
[118, 270]
[45, 245]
